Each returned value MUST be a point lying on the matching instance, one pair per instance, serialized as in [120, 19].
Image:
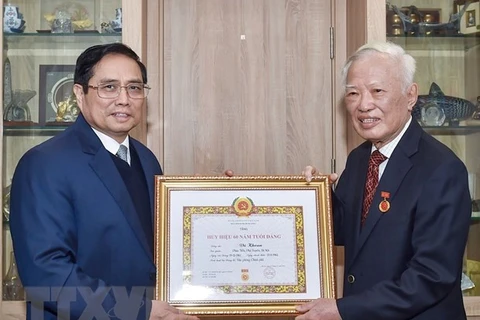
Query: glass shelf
[460, 42]
[32, 130]
[46, 40]
[448, 130]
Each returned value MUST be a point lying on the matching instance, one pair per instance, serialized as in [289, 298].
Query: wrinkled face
[378, 106]
[114, 117]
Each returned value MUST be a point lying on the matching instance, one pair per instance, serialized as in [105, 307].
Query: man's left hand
[320, 309]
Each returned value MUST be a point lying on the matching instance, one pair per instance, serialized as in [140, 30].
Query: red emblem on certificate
[243, 206]
[384, 205]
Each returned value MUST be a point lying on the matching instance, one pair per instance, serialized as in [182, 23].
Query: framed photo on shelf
[56, 95]
[470, 21]
[256, 245]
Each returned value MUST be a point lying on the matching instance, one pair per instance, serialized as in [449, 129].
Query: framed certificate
[248, 245]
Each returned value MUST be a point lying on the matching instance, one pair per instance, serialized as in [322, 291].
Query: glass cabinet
[41, 41]
[444, 38]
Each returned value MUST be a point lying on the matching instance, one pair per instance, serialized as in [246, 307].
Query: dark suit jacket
[74, 226]
[405, 263]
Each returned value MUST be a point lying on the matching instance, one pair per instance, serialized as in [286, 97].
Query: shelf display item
[62, 22]
[77, 13]
[113, 26]
[436, 108]
[416, 23]
[12, 286]
[470, 22]
[56, 94]
[18, 109]
[6, 203]
[117, 23]
[476, 115]
[68, 110]
[7, 83]
[12, 19]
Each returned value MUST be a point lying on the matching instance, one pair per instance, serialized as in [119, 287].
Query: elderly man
[402, 206]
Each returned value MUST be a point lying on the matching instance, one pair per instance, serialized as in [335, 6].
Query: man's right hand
[163, 311]
[310, 171]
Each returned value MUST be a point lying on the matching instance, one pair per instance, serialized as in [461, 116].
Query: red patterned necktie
[376, 158]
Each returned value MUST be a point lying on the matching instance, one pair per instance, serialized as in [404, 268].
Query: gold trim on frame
[255, 299]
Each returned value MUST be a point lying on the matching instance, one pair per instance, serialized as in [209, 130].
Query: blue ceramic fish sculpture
[436, 108]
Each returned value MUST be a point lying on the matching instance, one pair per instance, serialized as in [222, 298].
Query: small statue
[117, 23]
[113, 26]
[18, 109]
[67, 110]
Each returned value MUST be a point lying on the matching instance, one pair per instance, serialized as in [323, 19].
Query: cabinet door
[448, 58]
[41, 41]
[247, 86]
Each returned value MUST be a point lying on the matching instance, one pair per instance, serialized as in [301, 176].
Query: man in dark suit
[82, 203]
[403, 255]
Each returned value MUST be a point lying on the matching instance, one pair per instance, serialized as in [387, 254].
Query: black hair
[88, 59]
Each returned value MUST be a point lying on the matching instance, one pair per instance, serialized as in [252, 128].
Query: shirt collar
[111, 144]
[387, 149]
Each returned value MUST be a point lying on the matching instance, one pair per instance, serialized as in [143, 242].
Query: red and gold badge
[384, 205]
[243, 206]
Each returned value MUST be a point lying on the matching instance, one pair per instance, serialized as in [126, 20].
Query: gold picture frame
[256, 245]
[470, 21]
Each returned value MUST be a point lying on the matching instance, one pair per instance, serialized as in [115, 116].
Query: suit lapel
[149, 172]
[107, 172]
[397, 168]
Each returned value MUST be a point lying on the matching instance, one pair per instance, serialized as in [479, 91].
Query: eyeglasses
[110, 91]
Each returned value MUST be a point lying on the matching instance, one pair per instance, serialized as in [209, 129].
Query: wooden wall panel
[363, 25]
[246, 86]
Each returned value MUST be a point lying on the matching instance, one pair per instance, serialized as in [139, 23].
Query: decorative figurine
[62, 22]
[67, 110]
[113, 25]
[18, 109]
[436, 108]
[117, 23]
